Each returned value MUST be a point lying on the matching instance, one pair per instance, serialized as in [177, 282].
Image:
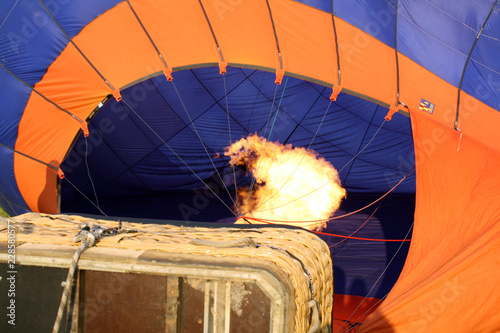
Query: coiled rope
[88, 240]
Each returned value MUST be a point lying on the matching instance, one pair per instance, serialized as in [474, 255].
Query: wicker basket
[295, 257]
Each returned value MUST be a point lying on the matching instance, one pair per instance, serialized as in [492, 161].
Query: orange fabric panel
[450, 278]
[37, 183]
[475, 117]
[345, 308]
[241, 40]
[365, 62]
[417, 83]
[117, 46]
[179, 30]
[44, 133]
[73, 84]
[368, 66]
[310, 54]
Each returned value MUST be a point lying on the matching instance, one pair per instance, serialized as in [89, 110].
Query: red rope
[328, 234]
[331, 218]
[361, 238]
[267, 221]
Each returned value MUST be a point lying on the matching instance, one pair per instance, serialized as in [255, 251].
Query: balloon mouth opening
[160, 151]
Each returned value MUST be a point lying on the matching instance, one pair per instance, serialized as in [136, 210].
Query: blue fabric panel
[11, 209]
[250, 104]
[387, 158]
[438, 35]
[375, 17]
[162, 170]
[29, 41]
[194, 97]
[127, 184]
[128, 130]
[14, 96]
[5, 8]
[213, 129]
[359, 263]
[188, 153]
[98, 153]
[482, 76]
[151, 112]
[215, 84]
[384, 160]
[324, 5]
[73, 16]
[10, 198]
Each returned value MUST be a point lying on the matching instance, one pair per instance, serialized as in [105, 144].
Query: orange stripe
[310, 54]
[38, 184]
[254, 43]
[71, 83]
[121, 51]
[476, 118]
[368, 65]
[45, 133]
[450, 275]
[179, 30]
[118, 47]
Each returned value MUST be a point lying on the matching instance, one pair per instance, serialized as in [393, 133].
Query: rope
[315, 322]
[269, 136]
[467, 62]
[376, 209]
[360, 227]
[361, 144]
[336, 41]
[212, 30]
[230, 141]
[42, 95]
[335, 235]
[275, 34]
[396, 50]
[304, 268]
[371, 204]
[9, 203]
[88, 173]
[147, 34]
[331, 218]
[259, 90]
[278, 109]
[88, 240]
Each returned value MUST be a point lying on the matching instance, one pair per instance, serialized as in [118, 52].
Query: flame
[291, 184]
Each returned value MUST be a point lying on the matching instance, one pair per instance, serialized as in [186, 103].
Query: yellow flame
[291, 184]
